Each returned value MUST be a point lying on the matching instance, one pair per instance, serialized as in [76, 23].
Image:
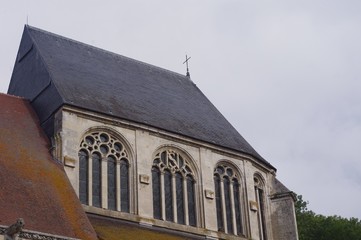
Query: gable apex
[53, 71]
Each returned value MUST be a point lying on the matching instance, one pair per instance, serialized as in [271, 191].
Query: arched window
[259, 194]
[173, 188]
[228, 199]
[102, 156]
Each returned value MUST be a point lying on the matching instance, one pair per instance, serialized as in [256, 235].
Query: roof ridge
[108, 52]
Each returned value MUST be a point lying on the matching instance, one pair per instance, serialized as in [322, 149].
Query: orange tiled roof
[33, 186]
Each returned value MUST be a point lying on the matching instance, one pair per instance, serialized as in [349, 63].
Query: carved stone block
[69, 162]
[209, 194]
[143, 178]
[253, 206]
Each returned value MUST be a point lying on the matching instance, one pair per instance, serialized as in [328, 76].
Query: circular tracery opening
[104, 144]
[95, 148]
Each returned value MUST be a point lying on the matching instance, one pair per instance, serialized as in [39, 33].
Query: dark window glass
[83, 177]
[168, 196]
[96, 180]
[217, 188]
[89, 140]
[157, 213]
[124, 186]
[118, 147]
[191, 201]
[261, 204]
[112, 199]
[227, 200]
[104, 137]
[237, 207]
[180, 202]
[104, 149]
[163, 157]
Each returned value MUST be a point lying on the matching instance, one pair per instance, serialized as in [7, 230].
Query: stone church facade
[159, 156]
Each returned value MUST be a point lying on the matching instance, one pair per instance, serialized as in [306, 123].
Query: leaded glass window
[83, 176]
[157, 212]
[103, 155]
[191, 201]
[228, 199]
[237, 208]
[180, 195]
[168, 192]
[217, 187]
[112, 179]
[124, 185]
[173, 188]
[96, 183]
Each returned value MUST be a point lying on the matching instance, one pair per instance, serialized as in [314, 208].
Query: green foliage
[313, 226]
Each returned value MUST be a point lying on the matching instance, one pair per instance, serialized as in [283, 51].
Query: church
[95, 145]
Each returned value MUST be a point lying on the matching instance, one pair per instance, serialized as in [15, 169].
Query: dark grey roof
[52, 70]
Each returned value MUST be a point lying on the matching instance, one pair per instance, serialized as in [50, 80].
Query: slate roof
[33, 185]
[52, 71]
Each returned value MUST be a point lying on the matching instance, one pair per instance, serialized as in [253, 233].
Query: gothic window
[173, 188]
[259, 194]
[228, 199]
[102, 157]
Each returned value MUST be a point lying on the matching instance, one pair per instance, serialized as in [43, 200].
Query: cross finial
[186, 62]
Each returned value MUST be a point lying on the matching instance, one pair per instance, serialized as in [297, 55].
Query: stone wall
[142, 142]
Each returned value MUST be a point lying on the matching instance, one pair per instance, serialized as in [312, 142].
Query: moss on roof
[33, 185]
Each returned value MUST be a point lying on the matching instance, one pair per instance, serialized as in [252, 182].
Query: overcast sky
[286, 74]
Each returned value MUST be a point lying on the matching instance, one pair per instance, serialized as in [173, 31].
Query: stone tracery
[97, 147]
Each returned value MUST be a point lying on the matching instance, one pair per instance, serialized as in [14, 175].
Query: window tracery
[228, 199]
[103, 157]
[173, 188]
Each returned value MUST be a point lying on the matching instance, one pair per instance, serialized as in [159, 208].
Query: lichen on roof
[33, 185]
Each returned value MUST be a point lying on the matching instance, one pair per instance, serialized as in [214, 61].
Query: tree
[313, 226]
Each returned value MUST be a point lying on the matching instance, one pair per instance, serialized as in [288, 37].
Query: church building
[95, 145]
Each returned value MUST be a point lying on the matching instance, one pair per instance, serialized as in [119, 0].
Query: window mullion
[174, 195]
[90, 182]
[162, 195]
[233, 208]
[118, 185]
[104, 182]
[223, 206]
[185, 197]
